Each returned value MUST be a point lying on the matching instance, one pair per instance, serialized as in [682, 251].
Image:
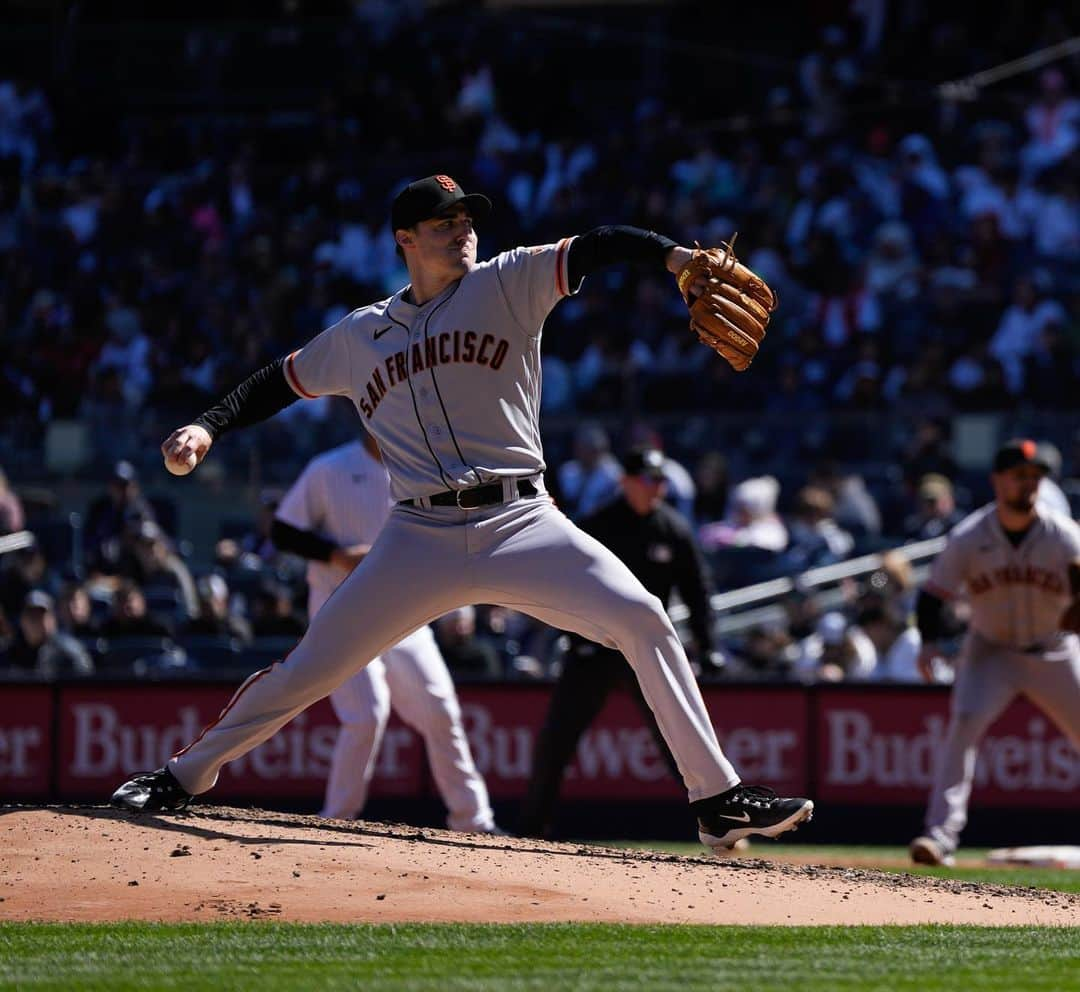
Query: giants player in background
[1017, 563]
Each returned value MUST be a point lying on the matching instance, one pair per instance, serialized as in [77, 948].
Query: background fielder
[330, 516]
[1017, 563]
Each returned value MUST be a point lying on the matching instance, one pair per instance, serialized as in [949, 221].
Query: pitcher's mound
[95, 863]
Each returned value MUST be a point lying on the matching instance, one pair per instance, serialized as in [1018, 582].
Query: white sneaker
[927, 851]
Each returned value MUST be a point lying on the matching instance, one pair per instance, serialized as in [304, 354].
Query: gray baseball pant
[524, 555]
[988, 678]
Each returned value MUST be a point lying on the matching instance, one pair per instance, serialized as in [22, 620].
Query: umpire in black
[656, 543]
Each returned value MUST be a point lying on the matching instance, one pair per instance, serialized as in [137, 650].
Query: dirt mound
[95, 863]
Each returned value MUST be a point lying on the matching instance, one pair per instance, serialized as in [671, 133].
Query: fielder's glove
[730, 315]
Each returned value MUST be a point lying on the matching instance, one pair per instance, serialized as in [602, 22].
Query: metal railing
[754, 605]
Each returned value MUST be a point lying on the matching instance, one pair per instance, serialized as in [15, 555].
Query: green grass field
[276, 956]
[271, 956]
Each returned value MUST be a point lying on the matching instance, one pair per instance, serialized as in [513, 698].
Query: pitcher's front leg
[407, 579]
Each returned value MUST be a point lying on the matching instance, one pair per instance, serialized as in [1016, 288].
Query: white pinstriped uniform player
[1017, 594]
[446, 375]
[344, 496]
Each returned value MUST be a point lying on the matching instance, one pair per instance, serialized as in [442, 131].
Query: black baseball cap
[427, 198]
[1020, 451]
[644, 461]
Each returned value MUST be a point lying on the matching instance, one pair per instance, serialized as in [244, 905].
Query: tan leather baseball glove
[732, 312]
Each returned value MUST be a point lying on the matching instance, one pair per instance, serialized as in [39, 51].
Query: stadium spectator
[855, 508]
[75, 611]
[751, 521]
[1018, 334]
[814, 537]
[1050, 492]
[40, 647]
[1053, 122]
[214, 617]
[112, 515]
[147, 557]
[129, 617]
[465, 652]
[895, 640]
[936, 512]
[257, 541]
[837, 651]
[23, 570]
[711, 483]
[273, 612]
[591, 478]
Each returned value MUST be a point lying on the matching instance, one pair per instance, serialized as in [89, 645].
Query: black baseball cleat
[748, 809]
[151, 792]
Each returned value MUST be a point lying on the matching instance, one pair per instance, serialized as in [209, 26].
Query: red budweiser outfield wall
[844, 744]
[762, 730]
[26, 741]
[878, 746]
[107, 732]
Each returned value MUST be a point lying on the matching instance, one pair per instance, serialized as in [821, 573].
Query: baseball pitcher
[446, 375]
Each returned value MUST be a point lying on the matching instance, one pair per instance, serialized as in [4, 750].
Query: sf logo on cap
[446, 183]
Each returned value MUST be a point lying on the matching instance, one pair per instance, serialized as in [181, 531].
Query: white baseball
[181, 467]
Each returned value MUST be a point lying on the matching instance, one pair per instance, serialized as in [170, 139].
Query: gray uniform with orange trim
[451, 391]
[1014, 646]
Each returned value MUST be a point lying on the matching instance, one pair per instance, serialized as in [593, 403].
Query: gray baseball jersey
[476, 344]
[1017, 595]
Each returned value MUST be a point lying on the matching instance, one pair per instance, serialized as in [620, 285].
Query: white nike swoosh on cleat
[745, 818]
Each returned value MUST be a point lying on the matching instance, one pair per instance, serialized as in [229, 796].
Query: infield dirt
[98, 864]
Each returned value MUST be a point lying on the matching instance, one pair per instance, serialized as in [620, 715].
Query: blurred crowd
[926, 251]
[123, 594]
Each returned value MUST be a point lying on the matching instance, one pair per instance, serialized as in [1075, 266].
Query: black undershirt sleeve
[305, 543]
[930, 617]
[257, 398]
[610, 245]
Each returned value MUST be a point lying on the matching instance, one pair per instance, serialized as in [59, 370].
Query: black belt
[474, 498]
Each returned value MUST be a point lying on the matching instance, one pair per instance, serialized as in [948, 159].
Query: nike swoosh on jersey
[745, 818]
[379, 333]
